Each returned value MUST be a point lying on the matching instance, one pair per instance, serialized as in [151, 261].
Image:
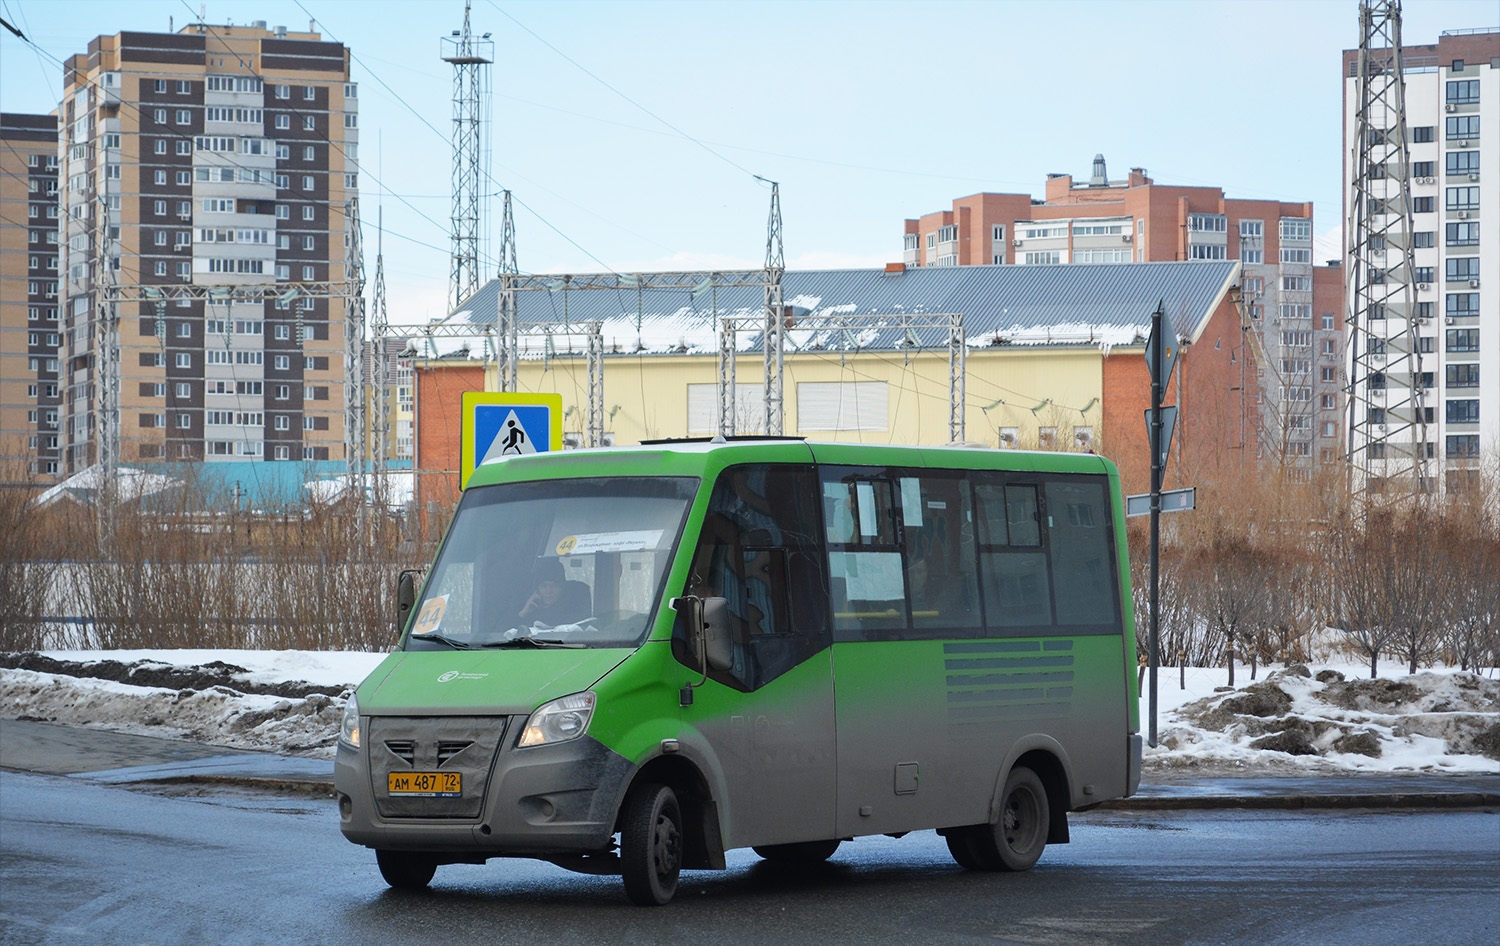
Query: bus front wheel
[406, 870]
[1016, 841]
[651, 845]
[801, 852]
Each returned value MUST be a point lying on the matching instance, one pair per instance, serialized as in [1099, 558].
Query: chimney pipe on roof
[1099, 178]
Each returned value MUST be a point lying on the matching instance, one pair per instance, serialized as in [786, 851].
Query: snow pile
[287, 702]
[1298, 720]
[1294, 721]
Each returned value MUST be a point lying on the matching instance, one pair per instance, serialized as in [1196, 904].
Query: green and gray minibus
[630, 661]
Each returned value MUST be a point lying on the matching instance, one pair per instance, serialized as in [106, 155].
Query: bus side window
[1014, 577]
[756, 550]
[1081, 549]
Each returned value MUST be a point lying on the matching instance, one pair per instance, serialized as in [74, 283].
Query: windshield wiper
[441, 639]
[531, 642]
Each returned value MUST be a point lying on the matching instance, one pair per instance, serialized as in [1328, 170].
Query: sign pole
[1156, 361]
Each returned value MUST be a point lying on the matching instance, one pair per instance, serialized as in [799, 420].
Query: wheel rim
[1021, 820]
[666, 841]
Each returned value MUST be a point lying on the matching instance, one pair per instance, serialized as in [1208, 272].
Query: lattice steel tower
[1388, 449]
[470, 59]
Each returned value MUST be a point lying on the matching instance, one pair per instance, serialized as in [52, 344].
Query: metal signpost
[1161, 358]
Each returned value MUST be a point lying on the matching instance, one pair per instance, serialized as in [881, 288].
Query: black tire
[801, 852]
[651, 845]
[406, 870]
[961, 844]
[1020, 836]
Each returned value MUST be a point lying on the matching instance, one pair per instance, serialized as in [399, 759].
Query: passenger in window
[556, 600]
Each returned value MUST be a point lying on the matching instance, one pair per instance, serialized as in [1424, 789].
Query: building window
[184, 116]
[283, 91]
[309, 243]
[309, 123]
[1041, 257]
[1292, 255]
[1421, 205]
[309, 153]
[1462, 376]
[1461, 127]
[1463, 446]
[159, 86]
[1421, 169]
[1424, 239]
[184, 359]
[1461, 268]
[1461, 234]
[283, 122]
[307, 182]
[1207, 251]
[1208, 223]
[1420, 134]
[160, 177]
[1461, 304]
[307, 274]
[308, 93]
[307, 212]
[1463, 198]
[1295, 228]
[1328, 402]
[1463, 92]
[1462, 339]
[1462, 162]
[1463, 412]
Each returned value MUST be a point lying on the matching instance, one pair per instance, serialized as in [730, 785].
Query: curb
[1134, 803]
[285, 785]
[1303, 802]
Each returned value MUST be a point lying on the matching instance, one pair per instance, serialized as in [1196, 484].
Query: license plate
[433, 784]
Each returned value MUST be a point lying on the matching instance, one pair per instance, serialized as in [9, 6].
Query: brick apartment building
[1452, 112]
[29, 334]
[217, 157]
[1294, 307]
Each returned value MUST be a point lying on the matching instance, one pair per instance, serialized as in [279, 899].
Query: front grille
[463, 744]
[403, 749]
[447, 749]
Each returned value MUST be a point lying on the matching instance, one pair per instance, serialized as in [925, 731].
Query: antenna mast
[470, 59]
[1387, 420]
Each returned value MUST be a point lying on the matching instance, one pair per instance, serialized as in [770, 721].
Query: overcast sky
[630, 132]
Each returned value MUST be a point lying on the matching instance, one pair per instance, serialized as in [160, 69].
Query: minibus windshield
[553, 563]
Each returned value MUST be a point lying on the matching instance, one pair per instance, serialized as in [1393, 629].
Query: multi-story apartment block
[29, 333]
[1452, 111]
[391, 408]
[207, 182]
[1294, 365]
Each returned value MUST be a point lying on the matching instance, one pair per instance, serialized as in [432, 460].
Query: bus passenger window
[1021, 515]
[1081, 550]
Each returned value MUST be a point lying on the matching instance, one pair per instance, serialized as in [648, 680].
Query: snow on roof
[1072, 304]
[130, 484]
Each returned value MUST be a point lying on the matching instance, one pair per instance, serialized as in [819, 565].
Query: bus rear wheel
[406, 870]
[651, 845]
[802, 852]
[1017, 840]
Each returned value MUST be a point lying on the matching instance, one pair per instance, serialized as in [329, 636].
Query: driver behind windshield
[555, 601]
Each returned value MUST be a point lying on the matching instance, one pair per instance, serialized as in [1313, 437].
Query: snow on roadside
[1291, 721]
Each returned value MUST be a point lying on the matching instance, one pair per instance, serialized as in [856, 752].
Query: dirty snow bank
[1294, 721]
[1300, 720]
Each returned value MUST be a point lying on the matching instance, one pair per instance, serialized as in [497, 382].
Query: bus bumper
[538, 802]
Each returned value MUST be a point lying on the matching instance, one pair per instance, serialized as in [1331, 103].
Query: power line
[591, 75]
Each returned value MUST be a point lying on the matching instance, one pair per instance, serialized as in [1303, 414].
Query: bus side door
[770, 717]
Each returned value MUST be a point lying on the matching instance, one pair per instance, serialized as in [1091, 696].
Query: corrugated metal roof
[1019, 305]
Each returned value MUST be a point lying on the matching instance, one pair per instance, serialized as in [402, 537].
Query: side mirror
[406, 597]
[718, 641]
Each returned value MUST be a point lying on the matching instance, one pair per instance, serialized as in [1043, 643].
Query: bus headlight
[558, 721]
[349, 728]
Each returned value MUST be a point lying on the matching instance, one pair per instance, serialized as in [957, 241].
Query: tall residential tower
[208, 178]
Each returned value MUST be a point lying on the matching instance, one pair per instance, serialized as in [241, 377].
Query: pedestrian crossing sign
[497, 425]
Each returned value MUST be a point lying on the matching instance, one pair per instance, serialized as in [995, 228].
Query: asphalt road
[85, 862]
